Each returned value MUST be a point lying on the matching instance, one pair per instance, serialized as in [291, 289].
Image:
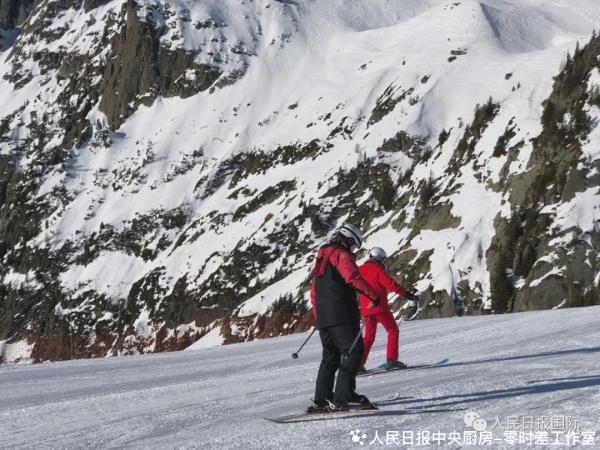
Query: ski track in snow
[529, 364]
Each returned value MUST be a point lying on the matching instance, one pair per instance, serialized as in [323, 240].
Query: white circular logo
[479, 425]
[470, 417]
[358, 437]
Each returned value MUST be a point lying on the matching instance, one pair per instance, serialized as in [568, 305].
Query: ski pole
[359, 335]
[295, 355]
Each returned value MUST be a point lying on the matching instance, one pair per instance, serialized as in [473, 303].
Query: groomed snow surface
[542, 365]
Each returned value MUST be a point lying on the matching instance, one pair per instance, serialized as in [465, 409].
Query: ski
[381, 369]
[354, 413]
[304, 416]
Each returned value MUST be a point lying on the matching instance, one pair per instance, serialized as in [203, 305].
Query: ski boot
[339, 406]
[319, 407]
[361, 370]
[394, 364]
[359, 400]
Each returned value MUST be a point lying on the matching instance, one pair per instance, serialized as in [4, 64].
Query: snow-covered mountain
[168, 169]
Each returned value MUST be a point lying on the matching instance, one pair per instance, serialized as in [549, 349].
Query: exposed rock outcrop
[139, 69]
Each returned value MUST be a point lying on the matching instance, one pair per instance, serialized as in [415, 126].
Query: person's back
[373, 272]
[335, 300]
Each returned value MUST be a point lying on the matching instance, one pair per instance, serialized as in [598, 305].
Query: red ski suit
[373, 273]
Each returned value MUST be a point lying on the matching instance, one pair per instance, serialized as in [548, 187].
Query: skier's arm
[390, 284]
[347, 268]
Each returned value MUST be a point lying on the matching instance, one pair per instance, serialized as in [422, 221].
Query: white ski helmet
[378, 254]
[353, 235]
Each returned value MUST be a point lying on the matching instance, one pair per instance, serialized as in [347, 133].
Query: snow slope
[528, 365]
[318, 69]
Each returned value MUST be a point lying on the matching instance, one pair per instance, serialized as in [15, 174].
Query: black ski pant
[336, 342]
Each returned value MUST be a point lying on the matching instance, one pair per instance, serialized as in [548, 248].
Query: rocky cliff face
[167, 170]
[12, 13]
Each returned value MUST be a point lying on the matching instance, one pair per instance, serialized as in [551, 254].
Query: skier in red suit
[373, 272]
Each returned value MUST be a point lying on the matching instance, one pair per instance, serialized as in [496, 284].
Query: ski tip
[443, 361]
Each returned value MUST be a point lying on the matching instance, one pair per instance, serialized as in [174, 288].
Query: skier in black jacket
[335, 282]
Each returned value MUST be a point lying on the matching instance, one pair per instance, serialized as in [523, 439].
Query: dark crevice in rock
[387, 102]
